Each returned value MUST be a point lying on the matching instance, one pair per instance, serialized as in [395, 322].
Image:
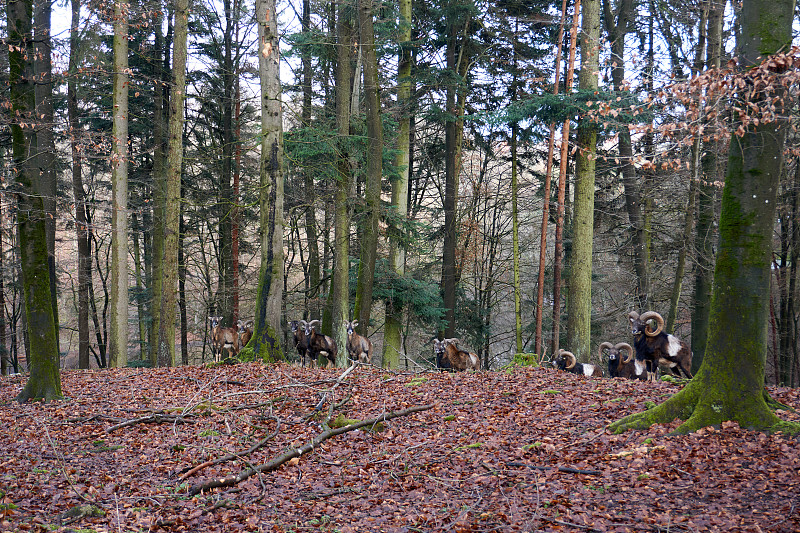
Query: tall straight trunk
[266, 342]
[237, 166]
[44, 381]
[562, 187]
[140, 284]
[314, 264]
[160, 118]
[455, 97]
[688, 221]
[730, 383]
[169, 263]
[515, 240]
[182, 291]
[579, 313]
[81, 224]
[226, 199]
[341, 248]
[706, 200]
[118, 341]
[547, 180]
[617, 23]
[45, 144]
[393, 325]
[4, 353]
[369, 241]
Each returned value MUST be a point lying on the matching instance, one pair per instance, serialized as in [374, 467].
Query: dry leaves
[521, 451]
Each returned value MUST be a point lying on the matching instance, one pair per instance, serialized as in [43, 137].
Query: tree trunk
[340, 291]
[160, 119]
[730, 382]
[44, 382]
[369, 242]
[118, 343]
[558, 253]
[81, 224]
[45, 144]
[169, 263]
[393, 326]
[266, 342]
[706, 201]
[580, 285]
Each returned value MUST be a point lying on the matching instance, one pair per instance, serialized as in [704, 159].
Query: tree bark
[369, 241]
[341, 245]
[266, 341]
[730, 383]
[118, 342]
[579, 313]
[169, 264]
[44, 382]
[393, 326]
[81, 224]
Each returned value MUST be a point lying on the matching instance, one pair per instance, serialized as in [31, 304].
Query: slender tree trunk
[340, 292]
[182, 292]
[266, 342]
[118, 343]
[81, 225]
[688, 222]
[44, 381]
[4, 353]
[706, 201]
[169, 263]
[140, 284]
[730, 382]
[547, 181]
[562, 185]
[369, 242]
[393, 326]
[160, 118]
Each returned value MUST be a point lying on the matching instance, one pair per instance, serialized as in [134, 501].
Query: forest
[520, 175]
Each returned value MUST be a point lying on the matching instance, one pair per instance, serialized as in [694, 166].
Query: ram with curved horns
[566, 361]
[617, 367]
[654, 347]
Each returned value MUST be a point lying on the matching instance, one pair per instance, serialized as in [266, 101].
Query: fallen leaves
[498, 451]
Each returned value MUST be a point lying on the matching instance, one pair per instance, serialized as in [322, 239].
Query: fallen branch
[157, 418]
[559, 468]
[189, 473]
[297, 452]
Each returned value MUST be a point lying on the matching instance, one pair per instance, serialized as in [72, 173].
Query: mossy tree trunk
[730, 383]
[393, 326]
[580, 283]
[165, 347]
[118, 337]
[266, 341]
[44, 382]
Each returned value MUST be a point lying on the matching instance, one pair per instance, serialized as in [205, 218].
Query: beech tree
[44, 382]
[730, 382]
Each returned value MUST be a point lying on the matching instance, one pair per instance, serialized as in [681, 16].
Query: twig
[232, 456]
[318, 407]
[559, 468]
[297, 452]
[157, 418]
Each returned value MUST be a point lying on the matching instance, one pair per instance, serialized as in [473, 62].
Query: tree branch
[297, 452]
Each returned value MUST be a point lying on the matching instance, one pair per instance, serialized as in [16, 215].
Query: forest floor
[519, 450]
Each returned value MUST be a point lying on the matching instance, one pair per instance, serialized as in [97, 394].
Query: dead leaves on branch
[503, 451]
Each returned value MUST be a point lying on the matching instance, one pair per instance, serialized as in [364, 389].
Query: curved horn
[569, 356]
[625, 346]
[633, 315]
[454, 340]
[652, 315]
[314, 321]
[355, 323]
[606, 346]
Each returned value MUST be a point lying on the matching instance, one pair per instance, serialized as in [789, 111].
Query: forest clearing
[521, 449]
